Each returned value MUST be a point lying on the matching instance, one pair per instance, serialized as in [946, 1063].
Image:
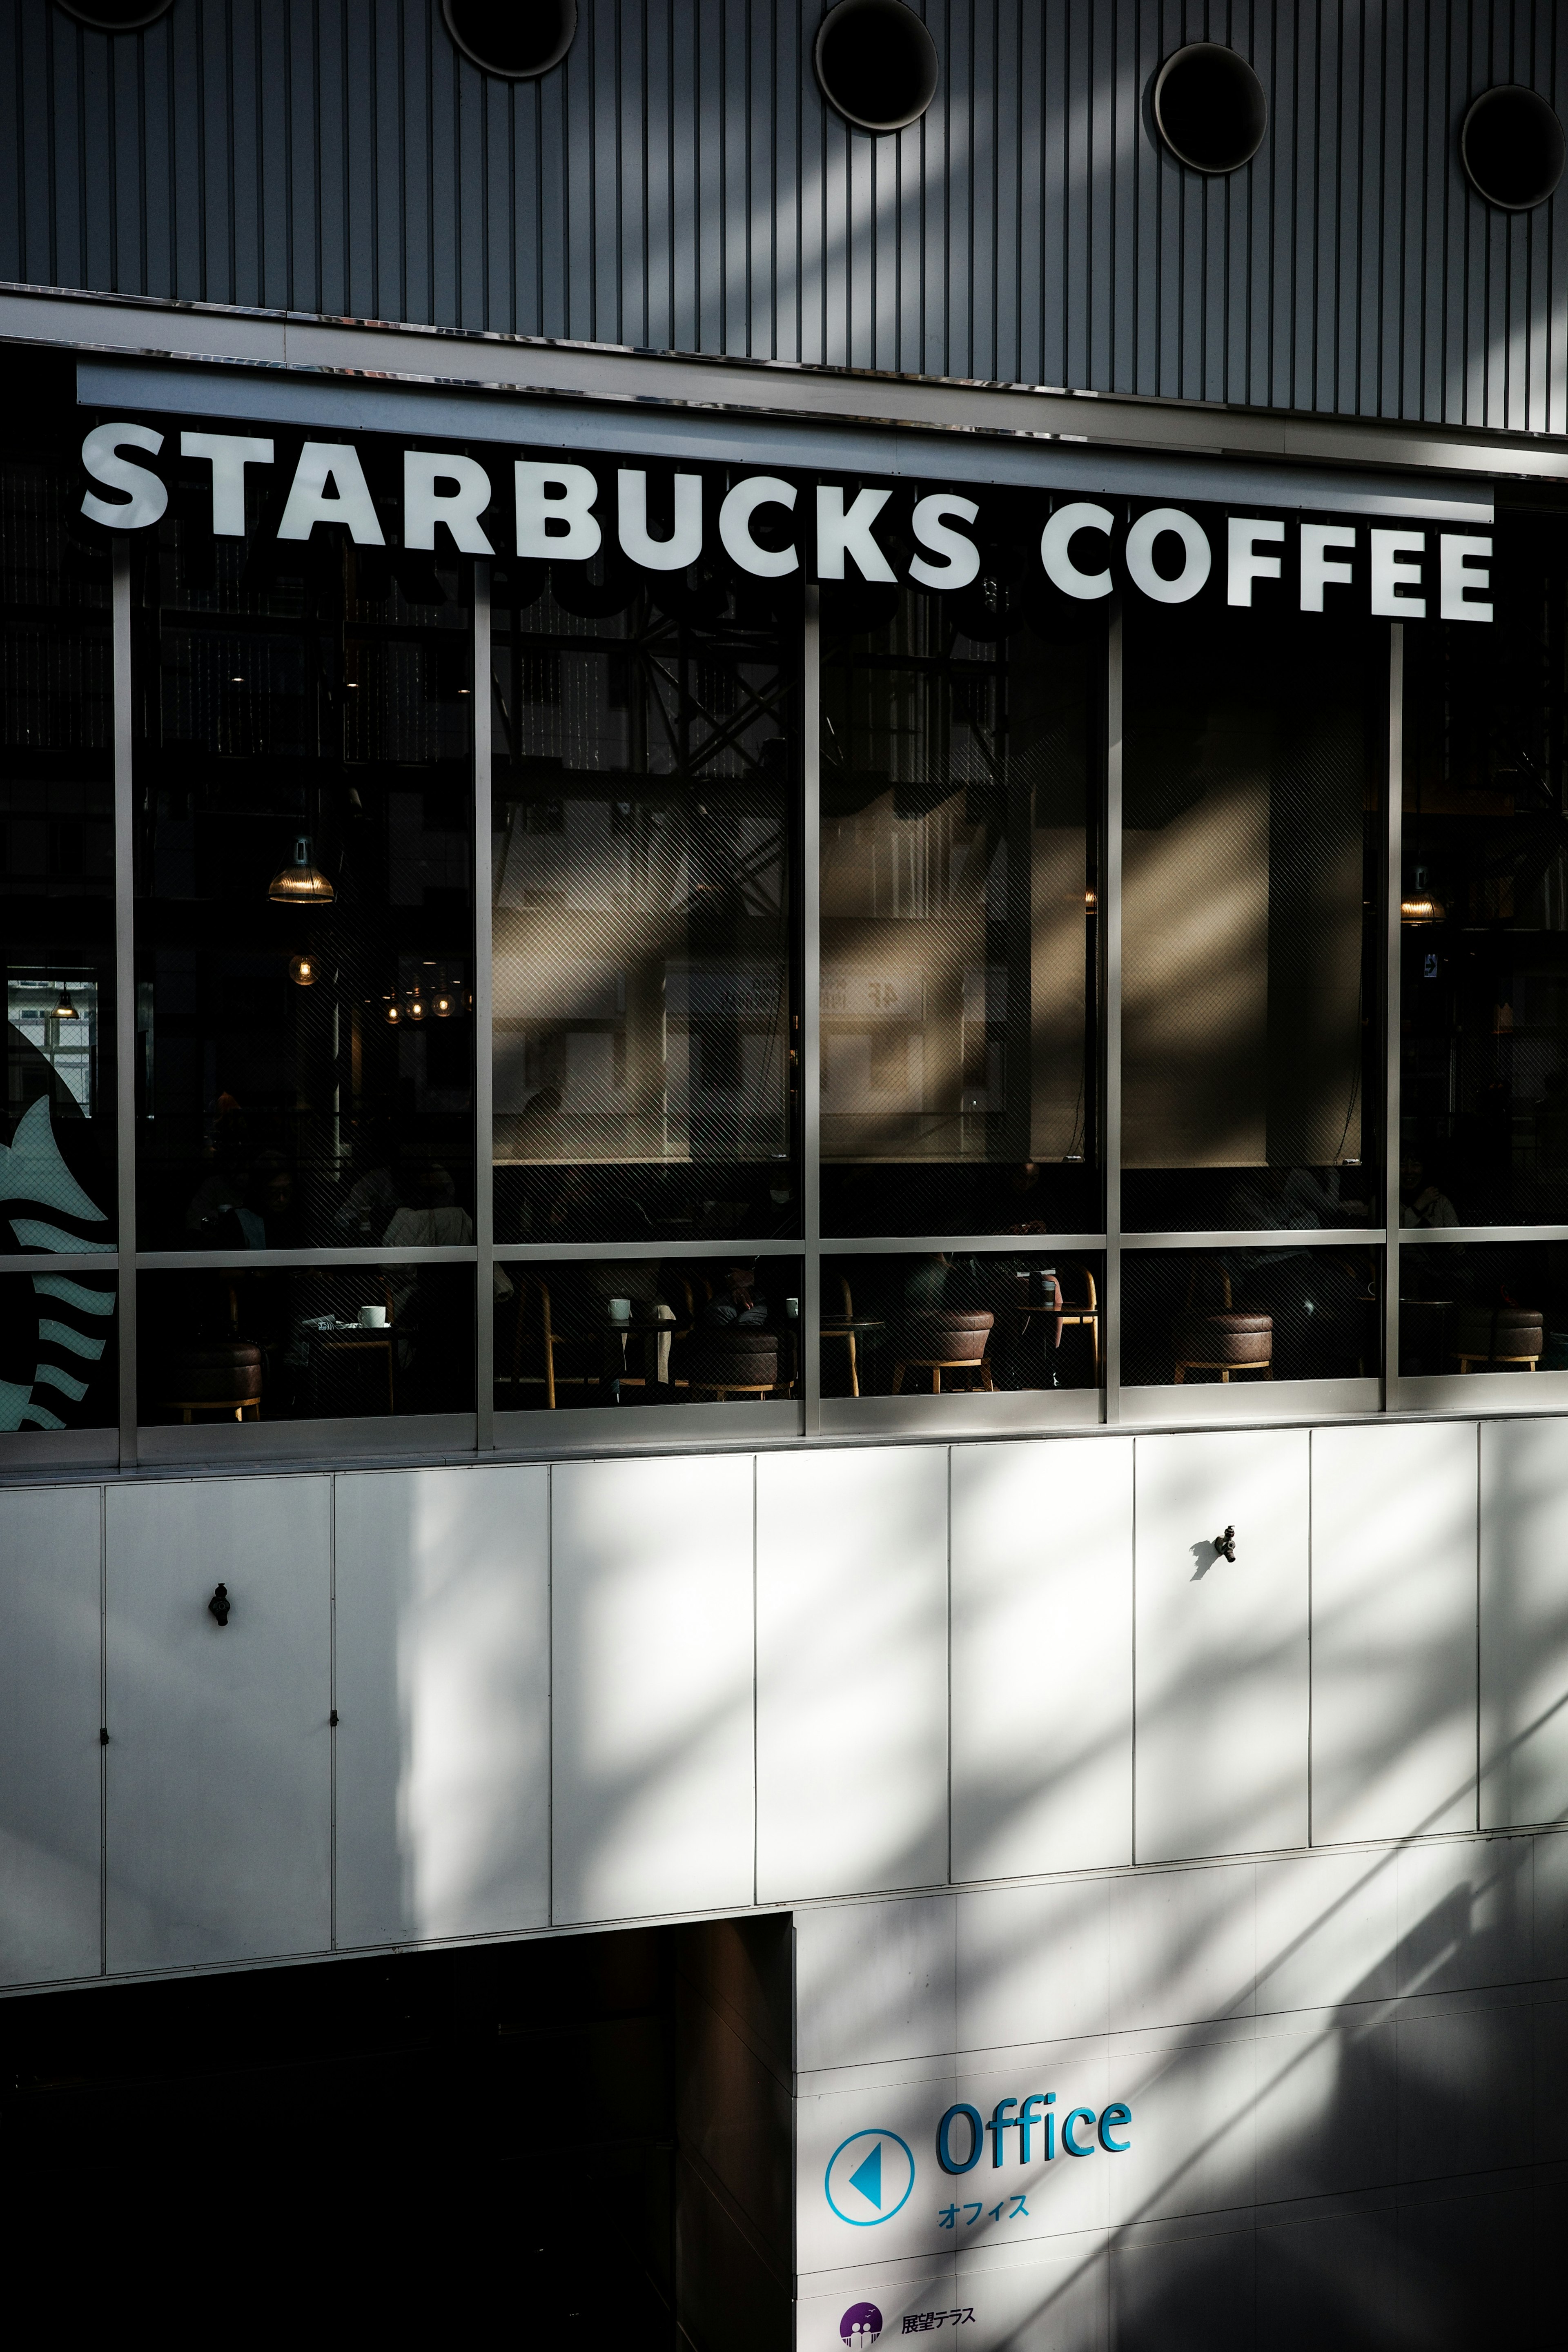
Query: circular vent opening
[1511, 147]
[1210, 109]
[115, 15]
[514, 39]
[877, 64]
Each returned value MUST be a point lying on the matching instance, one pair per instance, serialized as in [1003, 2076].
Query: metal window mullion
[1111, 1019]
[124, 995]
[1395, 856]
[484, 1065]
[810, 1066]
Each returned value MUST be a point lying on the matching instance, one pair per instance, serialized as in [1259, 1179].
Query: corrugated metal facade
[678, 184]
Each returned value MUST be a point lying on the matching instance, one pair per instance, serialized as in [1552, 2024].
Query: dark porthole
[877, 64]
[514, 39]
[1511, 147]
[115, 15]
[1209, 108]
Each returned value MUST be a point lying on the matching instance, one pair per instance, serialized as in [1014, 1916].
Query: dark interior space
[456, 2134]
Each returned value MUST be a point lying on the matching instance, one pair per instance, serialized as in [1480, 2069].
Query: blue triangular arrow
[868, 2178]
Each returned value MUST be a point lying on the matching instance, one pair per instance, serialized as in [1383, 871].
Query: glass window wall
[322, 738]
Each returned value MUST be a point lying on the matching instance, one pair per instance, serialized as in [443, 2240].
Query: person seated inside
[737, 1301]
[1422, 1201]
[260, 1213]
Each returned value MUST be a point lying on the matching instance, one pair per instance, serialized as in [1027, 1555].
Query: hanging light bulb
[302, 970]
[301, 884]
[392, 1017]
[442, 1006]
[64, 1009]
[416, 1007]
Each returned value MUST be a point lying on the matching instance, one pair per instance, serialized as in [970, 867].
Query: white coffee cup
[792, 1309]
[620, 1310]
[372, 1318]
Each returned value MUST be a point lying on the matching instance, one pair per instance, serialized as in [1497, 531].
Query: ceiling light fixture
[301, 884]
[302, 970]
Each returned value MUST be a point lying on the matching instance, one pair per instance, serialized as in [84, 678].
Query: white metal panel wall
[1524, 1621]
[652, 1717]
[1041, 1657]
[51, 1831]
[442, 1620]
[1221, 1645]
[1394, 1630]
[851, 1671]
[219, 1774]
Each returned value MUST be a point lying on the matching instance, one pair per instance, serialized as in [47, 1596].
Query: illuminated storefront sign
[773, 528]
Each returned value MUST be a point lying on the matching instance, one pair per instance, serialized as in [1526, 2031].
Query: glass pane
[1484, 899]
[58, 1356]
[231, 1344]
[644, 788]
[56, 834]
[304, 893]
[976, 1322]
[1205, 1317]
[1255, 751]
[646, 1331]
[1499, 1308]
[959, 767]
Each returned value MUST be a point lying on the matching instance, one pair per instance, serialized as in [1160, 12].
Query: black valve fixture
[1209, 108]
[1512, 147]
[876, 64]
[515, 43]
[220, 1604]
[1224, 1546]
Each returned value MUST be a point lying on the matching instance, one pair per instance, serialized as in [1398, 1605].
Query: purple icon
[861, 2323]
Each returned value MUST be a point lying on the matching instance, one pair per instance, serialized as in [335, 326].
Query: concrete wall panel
[51, 1827]
[851, 1671]
[1041, 1657]
[1394, 1630]
[442, 1698]
[652, 1647]
[1524, 1621]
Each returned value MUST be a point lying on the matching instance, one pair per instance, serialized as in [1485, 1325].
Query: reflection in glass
[230, 1344]
[59, 1360]
[648, 1331]
[1193, 1318]
[1502, 1307]
[1484, 900]
[643, 790]
[303, 878]
[966, 1322]
[1250, 853]
[57, 813]
[958, 906]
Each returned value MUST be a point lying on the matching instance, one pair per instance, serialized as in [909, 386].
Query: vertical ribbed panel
[678, 184]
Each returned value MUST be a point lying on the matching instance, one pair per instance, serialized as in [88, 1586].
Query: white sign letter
[960, 556]
[1245, 564]
[839, 534]
[1458, 573]
[1394, 578]
[684, 544]
[424, 506]
[562, 497]
[1055, 551]
[230, 454]
[333, 462]
[145, 496]
[1141, 542]
[1318, 569]
[735, 526]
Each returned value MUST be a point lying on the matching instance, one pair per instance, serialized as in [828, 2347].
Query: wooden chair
[848, 1336]
[552, 1376]
[1088, 1315]
[1225, 1342]
[939, 1339]
[225, 1375]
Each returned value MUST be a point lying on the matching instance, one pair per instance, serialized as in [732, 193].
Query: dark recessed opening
[877, 64]
[115, 15]
[1210, 109]
[517, 38]
[1511, 147]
